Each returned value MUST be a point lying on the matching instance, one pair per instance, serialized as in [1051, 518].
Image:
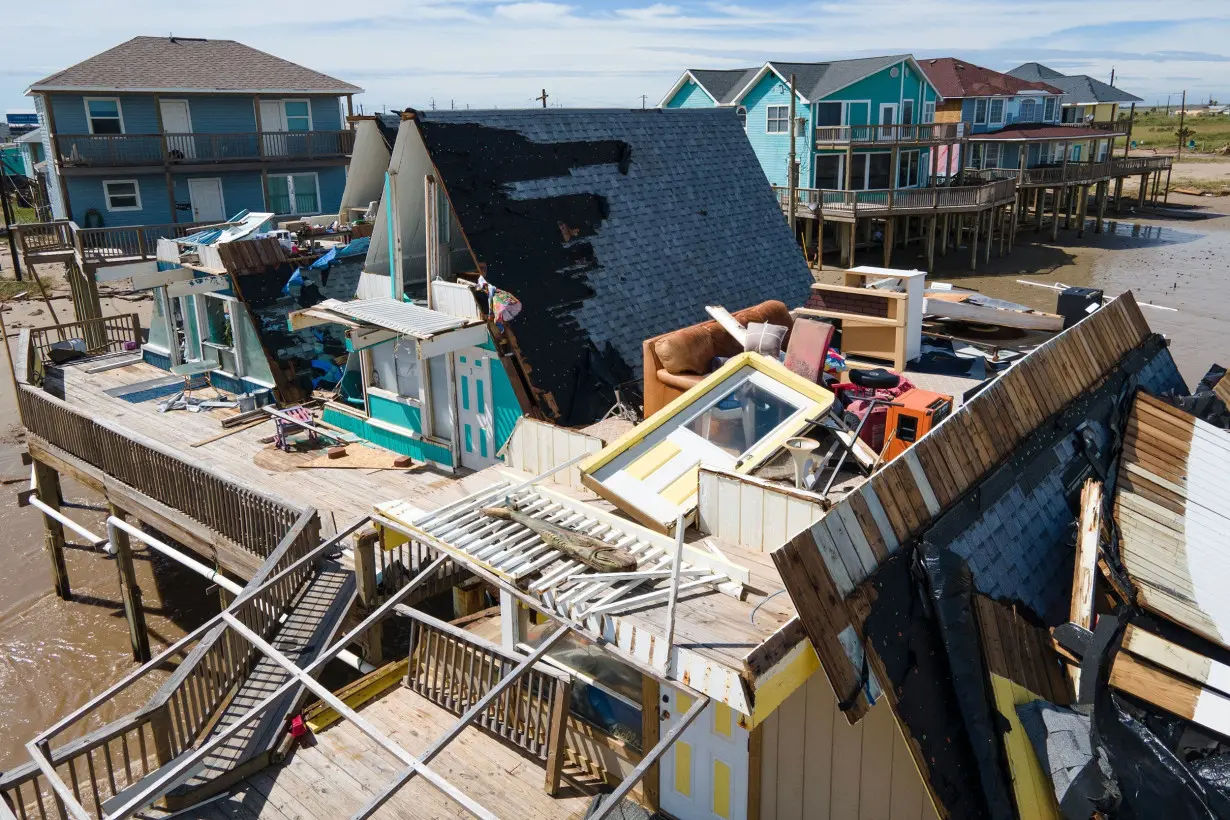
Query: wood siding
[753, 513]
[815, 765]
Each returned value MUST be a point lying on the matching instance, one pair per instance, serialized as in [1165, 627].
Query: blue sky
[485, 53]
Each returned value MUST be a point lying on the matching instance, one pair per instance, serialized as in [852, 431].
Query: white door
[273, 123]
[704, 773]
[476, 421]
[888, 116]
[177, 125]
[206, 196]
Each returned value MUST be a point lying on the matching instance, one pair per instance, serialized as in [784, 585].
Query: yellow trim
[721, 719]
[783, 679]
[1035, 797]
[682, 488]
[320, 715]
[649, 463]
[763, 364]
[390, 539]
[683, 768]
[721, 789]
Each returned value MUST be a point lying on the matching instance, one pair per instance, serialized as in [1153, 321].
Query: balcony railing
[1098, 125]
[1085, 172]
[845, 204]
[100, 245]
[85, 150]
[888, 134]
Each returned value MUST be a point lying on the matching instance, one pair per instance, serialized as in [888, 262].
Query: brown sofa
[676, 361]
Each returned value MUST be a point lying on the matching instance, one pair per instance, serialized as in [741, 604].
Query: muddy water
[54, 654]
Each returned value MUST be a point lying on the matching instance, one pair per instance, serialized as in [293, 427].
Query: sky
[627, 53]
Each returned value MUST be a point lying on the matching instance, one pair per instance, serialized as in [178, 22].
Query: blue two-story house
[162, 130]
[865, 124]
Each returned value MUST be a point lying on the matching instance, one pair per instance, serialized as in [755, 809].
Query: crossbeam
[403, 777]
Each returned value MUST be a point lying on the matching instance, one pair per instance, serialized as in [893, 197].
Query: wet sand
[55, 655]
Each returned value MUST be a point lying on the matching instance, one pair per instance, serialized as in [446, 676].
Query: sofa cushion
[689, 350]
[679, 381]
[765, 339]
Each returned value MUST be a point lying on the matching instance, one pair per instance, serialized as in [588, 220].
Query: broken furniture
[677, 361]
[911, 416]
[880, 310]
[292, 420]
[735, 419]
[192, 371]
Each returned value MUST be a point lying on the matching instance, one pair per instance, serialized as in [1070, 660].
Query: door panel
[177, 125]
[704, 774]
[273, 124]
[474, 413]
[206, 196]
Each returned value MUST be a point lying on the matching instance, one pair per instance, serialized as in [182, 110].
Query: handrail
[911, 134]
[844, 203]
[83, 150]
[110, 333]
[121, 242]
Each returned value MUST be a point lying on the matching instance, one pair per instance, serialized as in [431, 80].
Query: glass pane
[278, 186]
[406, 364]
[255, 365]
[858, 177]
[305, 193]
[218, 325]
[192, 335]
[298, 123]
[441, 421]
[742, 417]
[159, 324]
[828, 171]
[384, 370]
[881, 171]
[296, 108]
[104, 108]
[828, 114]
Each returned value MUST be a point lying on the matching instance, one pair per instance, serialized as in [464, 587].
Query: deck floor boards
[344, 768]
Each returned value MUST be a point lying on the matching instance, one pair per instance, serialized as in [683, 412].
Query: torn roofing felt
[995, 483]
[612, 226]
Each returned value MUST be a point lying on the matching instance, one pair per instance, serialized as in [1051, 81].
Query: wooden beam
[130, 593]
[1085, 570]
[556, 735]
[965, 311]
[1192, 702]
[651, 728]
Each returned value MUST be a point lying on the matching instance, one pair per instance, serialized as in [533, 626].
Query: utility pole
[1182, 111]
[543, 98]
[644, 99]
[1112, 75]
[791, 180]
[9, 222]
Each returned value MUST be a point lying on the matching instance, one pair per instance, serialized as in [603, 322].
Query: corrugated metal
[1170, 507]
[402, 317]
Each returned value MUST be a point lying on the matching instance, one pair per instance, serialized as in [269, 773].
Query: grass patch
[1156, 130]
[11, 287]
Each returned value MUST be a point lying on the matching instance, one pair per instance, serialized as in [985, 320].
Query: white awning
[374, 321]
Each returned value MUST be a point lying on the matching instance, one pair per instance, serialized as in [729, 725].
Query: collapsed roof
[611, 227]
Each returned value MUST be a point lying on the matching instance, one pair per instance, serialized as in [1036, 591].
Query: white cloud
[496, 52]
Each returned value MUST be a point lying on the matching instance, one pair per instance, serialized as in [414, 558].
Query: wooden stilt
[1016, 216]
[889, 230]
[973, 255]
[1100, 193]
[1069, 203]
[1166, 194]
[990, 235]
[853, 237]
[1119, 195]
[1056, 195]
[1039, 208]
[130, 593]
[1003, 234]
[48, 491]
[1084, 210]
[931, 244]
[1140, 195]
[843, 244]
[365, 545]
[944, 236]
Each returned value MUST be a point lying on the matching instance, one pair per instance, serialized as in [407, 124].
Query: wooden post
[820, 235]
[1084, 211]
[365, 545]
[973, 256]
[931, 243]
[130, 593]
[853, 236]
[944, 236]
[1039, 208]
[1127, 141]
[1118, 195]
[1069, 197]
[1056, 196]
[651, 727]
[163, 727]
[849, 166]
[1002, 214]
[47, 482]
[1169, 168]
[888, 241]
[1102, 189]
[557, 735]
[1140, 195]
[990, 235]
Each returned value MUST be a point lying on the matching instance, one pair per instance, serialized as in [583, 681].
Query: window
[104, 115]
[122, 194]
[298, 115]
[858, 173]
[828, 172]
[980, 112]
[997, 111]
[990, 156]
[907, 170]
[879, 171]
[1048, 110]
[973, 158]
[1029, 111]
[741, 113]
[928, 112]
[294, 194]
[395, 369]
[907, 112]
[778, 119]
[828, 114]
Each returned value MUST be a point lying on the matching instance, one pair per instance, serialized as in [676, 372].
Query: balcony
[1077, 173]
[116, 150]
[930, 133]
[848, 206]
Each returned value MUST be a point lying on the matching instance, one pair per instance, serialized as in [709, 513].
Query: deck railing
[834, 203]
[110, 334]
[102, 150]
[45, 237]
[931, 132]
[1086, 172]
[454, 668]
[248, 517]
[130, 243]
[102, 763]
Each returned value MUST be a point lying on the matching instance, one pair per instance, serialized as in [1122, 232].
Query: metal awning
[371, 322]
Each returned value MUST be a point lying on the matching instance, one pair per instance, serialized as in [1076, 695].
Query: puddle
[1147, 234]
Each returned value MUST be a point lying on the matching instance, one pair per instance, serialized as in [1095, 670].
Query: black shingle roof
[813, 80]
[613, 226]
[1077, 88]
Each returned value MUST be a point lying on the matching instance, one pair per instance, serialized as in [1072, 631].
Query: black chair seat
[877, 378]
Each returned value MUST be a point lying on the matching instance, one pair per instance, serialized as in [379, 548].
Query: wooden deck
[335, 776]
[340, 495]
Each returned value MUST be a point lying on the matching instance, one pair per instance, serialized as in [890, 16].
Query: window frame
[290, 192]
[741, 113]
[1051, 103]
[989, 149]
[985, 104]
[1003, 110]
[119, 111]
[783, 117]
[286, 115]
[136, 186]
[906, 105]
[928, 112]
[1033, 110]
